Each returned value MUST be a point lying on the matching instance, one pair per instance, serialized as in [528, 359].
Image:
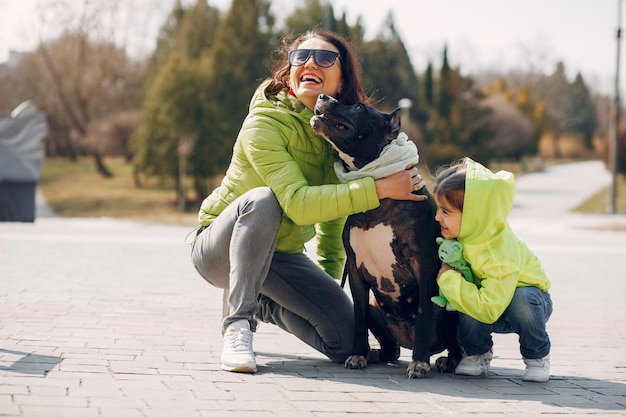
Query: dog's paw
[373, 356]
[417, 370]
[356, 362]
[383, 356]
[442, 364]
[446, 364]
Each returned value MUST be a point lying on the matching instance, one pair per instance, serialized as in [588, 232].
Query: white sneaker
[537, 370]
[474, 365]
[238, 355]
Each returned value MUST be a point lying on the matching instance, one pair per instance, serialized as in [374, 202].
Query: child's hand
[444, 268]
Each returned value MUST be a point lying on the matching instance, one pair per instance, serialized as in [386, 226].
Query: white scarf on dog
[395, 157]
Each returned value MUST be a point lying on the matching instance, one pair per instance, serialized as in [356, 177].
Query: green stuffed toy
[451, 253]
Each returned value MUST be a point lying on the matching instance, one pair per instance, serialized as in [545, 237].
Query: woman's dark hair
[450, 184]
[352, 90]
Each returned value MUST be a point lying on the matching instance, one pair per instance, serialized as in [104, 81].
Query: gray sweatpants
[236, 252]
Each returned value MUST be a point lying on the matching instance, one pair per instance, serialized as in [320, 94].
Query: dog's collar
[395, 156]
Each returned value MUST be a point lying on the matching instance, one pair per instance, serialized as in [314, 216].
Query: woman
[280, 191]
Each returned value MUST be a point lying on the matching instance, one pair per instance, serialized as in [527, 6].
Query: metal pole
[614, 133]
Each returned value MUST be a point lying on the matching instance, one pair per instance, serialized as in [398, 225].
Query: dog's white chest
[373, 251]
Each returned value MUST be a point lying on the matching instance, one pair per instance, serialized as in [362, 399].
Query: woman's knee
[341, 354]
[339, 341]
[263, 201]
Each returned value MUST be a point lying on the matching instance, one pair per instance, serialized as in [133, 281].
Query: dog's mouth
[331, 122]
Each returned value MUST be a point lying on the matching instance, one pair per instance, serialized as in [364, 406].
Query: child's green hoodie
[500, 261]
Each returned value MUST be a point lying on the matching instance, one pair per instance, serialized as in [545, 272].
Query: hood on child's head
[488, 201]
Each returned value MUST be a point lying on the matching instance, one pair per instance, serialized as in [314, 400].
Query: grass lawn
[75, 189]
[599, 202]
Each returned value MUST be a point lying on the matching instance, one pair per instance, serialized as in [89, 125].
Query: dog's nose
[323, 97]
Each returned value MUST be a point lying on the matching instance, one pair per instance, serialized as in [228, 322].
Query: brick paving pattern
[108, 318]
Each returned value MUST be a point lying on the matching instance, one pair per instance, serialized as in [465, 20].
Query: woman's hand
[401, 185]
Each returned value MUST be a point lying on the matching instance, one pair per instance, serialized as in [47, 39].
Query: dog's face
[358, 132]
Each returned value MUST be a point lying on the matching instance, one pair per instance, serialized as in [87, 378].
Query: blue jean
[526, 316]
[236, 252]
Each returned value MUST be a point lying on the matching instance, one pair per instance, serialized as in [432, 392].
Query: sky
[479, 34]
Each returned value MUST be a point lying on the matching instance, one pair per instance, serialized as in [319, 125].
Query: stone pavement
[107, 318]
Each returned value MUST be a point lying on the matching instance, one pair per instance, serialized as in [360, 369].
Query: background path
[102, 317]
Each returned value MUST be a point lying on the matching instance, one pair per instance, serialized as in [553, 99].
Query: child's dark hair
[450, 184]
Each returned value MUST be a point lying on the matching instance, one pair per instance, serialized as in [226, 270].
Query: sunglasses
[323, 58]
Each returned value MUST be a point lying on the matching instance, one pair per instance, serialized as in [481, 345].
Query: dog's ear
[393, 122]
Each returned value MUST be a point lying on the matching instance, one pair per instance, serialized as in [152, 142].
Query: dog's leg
[389, 347]
[360, 296]
[446, 331]
[420, 363]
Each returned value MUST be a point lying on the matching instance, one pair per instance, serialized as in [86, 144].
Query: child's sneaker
[537, 370]
[238, 355]
[474, 365]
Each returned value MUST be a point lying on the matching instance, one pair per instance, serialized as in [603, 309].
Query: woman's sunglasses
[323, 58]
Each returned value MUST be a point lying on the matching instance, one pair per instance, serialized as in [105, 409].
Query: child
[510, 289]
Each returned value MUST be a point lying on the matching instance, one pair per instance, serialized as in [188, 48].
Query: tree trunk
[557, 152]
[102, 169]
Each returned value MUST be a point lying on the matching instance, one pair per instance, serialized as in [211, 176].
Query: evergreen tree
[552, 91]
[177, 105]
[458, 124]
[429, 86]
[197, 30]
[212, 149]
[237, 62]
[387, 69]
[513, 131]
[166, 41]
[313, 14]
[172, 112]
[355, 34]
[241, 55]
[187, 32]
[579, 110]
[224, 63]
[447, 87]
[555, 96]
[344, 29]
[533, 112]
[569, 107]
[316, 15]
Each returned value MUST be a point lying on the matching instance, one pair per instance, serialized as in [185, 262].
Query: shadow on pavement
[503, 384]
[27, 363]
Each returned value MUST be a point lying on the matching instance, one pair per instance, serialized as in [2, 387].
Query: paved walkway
[107, 318]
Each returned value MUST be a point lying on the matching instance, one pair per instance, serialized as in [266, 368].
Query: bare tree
[80, 81]
[512, 131]
[84, 73]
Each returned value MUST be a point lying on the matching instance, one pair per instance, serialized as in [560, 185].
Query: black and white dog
[391, 250]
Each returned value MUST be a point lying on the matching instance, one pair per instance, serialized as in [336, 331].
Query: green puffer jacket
[500, 261]
[277, 148]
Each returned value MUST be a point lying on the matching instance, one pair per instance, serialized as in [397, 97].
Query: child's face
[449, 219]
